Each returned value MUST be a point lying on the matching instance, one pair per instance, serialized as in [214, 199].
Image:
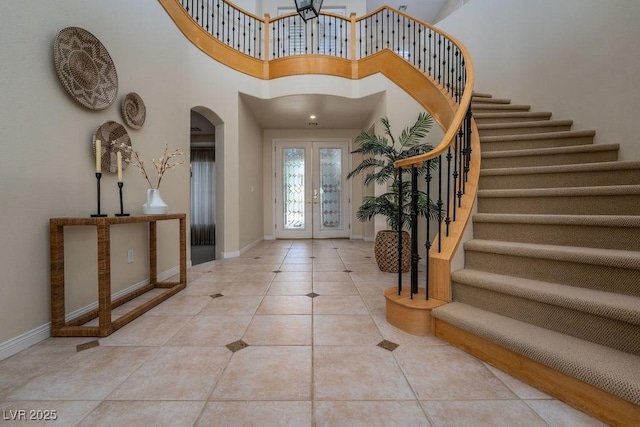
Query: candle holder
[120, 185]
[98, 177]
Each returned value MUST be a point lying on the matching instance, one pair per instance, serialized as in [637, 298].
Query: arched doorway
[205, 197]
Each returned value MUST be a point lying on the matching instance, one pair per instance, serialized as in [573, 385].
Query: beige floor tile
[293, 276]
[332, 267]
[146, 330]
[297, 267]
[45, 412]
[89, 375]
[444, 372]
[252, 276]
[232, 305]
[559, 414]
[522, 390]
[350, 330]
[358, 373]
[285, 304]
[482, 413]
[328, 276]
[372, 288]
[369, 414]
[376, 304]
[339, 304]
[326, 259]
[175, 373]
[228, 414]
[266, 373]
[335, 288]
[181, 305]
[290, 288]
[210, 331]
[246, 288]
[33, 361]
[279, 330]
[204, 288]
[361, 267]
[143, 414]
[397, 336]
[302, 259]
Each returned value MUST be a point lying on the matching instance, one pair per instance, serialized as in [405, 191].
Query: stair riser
[627, 204]
[522, 130]
[608, 332]
[532, 143]
[566, 179]
[550, 160]
[497, 120]
[603, 278]
[623, 238]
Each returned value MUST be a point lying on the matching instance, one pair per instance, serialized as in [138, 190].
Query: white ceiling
[292, 112]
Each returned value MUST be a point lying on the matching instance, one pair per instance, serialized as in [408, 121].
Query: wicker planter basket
[386, 251]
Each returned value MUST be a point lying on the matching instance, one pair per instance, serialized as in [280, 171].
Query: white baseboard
[356, 237]
[231, 254]
[251, 245]
[269, 238]
[34, 336]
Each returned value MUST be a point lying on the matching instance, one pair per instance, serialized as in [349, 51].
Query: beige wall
[579, 59]
[47, 168]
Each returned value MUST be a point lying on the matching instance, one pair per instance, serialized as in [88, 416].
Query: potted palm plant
[380, 154]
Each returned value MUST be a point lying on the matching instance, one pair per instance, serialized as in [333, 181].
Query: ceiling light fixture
[312, 117]
[308, 9]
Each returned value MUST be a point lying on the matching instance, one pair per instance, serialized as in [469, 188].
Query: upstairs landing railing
[430, 65]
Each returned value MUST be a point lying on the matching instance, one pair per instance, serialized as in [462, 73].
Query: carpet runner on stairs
[553, 271]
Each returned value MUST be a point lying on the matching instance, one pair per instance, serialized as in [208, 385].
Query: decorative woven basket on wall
[386, 251]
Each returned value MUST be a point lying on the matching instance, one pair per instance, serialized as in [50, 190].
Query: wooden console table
[74, 328]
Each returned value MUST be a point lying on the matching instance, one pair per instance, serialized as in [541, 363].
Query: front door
[311, 199]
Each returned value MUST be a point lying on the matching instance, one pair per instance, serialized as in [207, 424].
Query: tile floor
[287, 334]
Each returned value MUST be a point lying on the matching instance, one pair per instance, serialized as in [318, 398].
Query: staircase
[552, 274]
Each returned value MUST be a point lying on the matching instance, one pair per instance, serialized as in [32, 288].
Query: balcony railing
[436, 70]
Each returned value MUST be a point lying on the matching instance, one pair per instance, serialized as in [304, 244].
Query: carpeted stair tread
[478, 106]
[628, 221]
[624, 308]
[485, 100]
[536, 136]
[576, 254]
[580, 167]
[552, 151]
[602, 190]
[608, 369]
[482, 95]
[536, 124]
[514, 116]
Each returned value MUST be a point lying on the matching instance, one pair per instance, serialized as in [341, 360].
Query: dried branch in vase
[169, 160]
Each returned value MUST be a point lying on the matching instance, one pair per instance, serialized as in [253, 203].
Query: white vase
[155, 205]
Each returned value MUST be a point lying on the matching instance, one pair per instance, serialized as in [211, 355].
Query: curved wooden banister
[446, 102]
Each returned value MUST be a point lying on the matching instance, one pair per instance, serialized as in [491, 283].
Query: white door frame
[308, 142]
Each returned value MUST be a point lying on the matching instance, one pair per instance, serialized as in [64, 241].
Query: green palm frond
[383, 152]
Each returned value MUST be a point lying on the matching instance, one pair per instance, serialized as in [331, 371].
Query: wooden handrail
[447, 103]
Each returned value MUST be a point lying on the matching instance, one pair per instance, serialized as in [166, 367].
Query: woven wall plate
[85, 68]
[133, 110]
[112, 135]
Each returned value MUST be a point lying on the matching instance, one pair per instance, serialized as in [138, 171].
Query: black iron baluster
[400, 220]
[457, 169]
[431, 41]
[439, 203]
[468, 144]
[427, 244]
[415, 257]
[447, 221]
[389, 30]
[218, 26]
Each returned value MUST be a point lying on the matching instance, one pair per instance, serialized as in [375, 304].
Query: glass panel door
[311, 200]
